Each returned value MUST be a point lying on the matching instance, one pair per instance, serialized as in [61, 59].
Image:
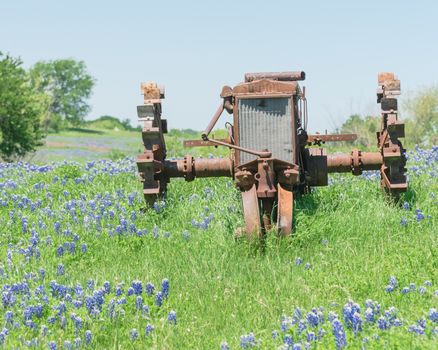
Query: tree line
[420, 114]
[48, 96]
[52, 95]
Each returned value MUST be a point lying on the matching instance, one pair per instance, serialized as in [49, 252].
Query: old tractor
[270, 158]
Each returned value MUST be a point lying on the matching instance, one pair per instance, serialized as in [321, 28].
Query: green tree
[69, 86]
[364, 127]
[422, 124]
[21, 110]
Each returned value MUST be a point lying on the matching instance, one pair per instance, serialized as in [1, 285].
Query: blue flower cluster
[301, 329]
[45, 307]
[393, 286]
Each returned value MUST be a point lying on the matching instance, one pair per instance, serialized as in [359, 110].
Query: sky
[194, 48]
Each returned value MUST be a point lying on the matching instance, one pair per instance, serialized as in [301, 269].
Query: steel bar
[198, 167]
[213, 121]
[331, 138]
[343, 163]
[262, 154]
[201, 143]
[280, 76]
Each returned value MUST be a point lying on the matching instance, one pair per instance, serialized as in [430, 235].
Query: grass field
[82, 266]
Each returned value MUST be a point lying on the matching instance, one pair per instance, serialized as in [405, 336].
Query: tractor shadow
[307, 203]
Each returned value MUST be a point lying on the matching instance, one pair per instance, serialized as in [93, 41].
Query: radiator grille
[266, 123]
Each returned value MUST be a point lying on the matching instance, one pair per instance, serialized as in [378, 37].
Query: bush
[22, 109]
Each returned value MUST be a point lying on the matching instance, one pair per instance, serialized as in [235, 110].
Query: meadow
[84, 266]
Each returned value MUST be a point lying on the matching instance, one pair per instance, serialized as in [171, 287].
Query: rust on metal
[270, 158]
[285, 211]
[280, 76]
[201, 143]
[251, 211]
[318, 139]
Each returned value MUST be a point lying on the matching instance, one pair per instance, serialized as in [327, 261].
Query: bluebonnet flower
[357, 323]
[171, 318]
[348, 312]
[397, 323]
[312, 318]
[30, 324]
[405, 290]
[133, 334]
[107, 287]
[297, 346]
[90, 284]
[297, 315]
[9, 317]
[369, 315]
[77, 322]
[421, 290]
[419, 215]
[286, 324]
[321, 333]
[60, 251]
[248, 341]
[139, 302]
[165, 287]
[416, 329]
[131, 291]
[288, 341]
[224, 346]
[119, 290]
[403, 222]
[433, 315]
[52, 345]
[428, 283]
[145, 310]
[406, 206]
[412, 286]
[393, 281]
[274, 334]
[60, 270]
[339, 333]
[138, 287]
[149, 329]
[298, 261]
[159, 299]
[307, 266]
[150, 288]
[311, 336]
[24, 224]
[78, 343]
[389, 288]
[67, 345]
[332, 316]
[88, 337]
[382, 323]
[44, 330]
[302, 326]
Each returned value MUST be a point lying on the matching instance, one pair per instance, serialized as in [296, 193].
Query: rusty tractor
[270, 158]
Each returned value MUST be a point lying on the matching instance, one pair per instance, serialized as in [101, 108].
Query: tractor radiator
[266, 123]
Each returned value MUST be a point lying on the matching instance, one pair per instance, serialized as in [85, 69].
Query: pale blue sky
[196, 47]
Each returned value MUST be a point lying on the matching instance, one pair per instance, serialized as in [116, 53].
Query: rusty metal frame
[267, 183]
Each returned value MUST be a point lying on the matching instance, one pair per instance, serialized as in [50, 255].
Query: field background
[347, 244]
